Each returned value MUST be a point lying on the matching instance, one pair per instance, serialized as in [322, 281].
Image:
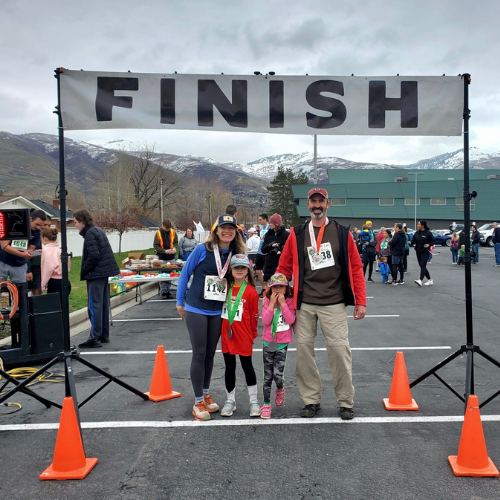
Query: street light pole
[416, 174]
[315, 170]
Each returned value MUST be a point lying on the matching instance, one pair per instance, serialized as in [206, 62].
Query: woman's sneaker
[280, 397]
[200, 411]
[211, 406]
[429, 283]
[265, 411]
[228, 408]
[254, 409]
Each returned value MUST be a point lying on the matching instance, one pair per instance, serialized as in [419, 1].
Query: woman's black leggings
[204, 333]
[422, 258]
[230, 375]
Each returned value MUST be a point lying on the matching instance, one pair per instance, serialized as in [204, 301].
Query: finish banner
[355, 105]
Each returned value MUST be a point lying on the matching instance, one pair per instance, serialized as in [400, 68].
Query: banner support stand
[469, 348]
[69, 353]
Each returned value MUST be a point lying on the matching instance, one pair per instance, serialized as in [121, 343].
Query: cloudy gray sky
[318, 37]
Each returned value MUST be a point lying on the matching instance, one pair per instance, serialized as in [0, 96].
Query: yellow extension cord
[22, 373]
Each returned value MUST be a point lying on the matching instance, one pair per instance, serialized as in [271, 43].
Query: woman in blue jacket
[203, 305]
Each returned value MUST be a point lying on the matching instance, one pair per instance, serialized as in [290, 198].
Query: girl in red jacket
[278, 316]
[240, 315]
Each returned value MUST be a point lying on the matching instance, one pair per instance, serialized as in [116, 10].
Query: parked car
[486, 232]
[456, 228]
[442, 239]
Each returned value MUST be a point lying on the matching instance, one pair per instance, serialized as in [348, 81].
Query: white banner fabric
[323, 105]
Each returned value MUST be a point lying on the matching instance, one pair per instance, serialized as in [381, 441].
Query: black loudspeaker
[45, 324]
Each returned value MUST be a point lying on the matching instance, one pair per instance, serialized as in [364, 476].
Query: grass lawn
[78, 295]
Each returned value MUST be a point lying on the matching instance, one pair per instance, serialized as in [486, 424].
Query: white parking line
[146, 319]
[260, 317]
[292, 349]
[152, 424]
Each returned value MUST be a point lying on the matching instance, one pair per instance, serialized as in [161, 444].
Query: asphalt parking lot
[157, 451]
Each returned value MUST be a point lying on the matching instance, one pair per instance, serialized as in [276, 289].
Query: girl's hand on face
[281, 299]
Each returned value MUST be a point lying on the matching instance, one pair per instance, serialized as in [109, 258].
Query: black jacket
[421, 238]
[496, 235]
[475, 237]
[398, 243]
[272, 252]
[98, 260]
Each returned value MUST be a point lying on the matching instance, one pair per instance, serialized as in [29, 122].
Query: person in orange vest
[166, 246]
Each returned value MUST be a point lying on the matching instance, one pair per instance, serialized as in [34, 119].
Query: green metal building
[386, 196]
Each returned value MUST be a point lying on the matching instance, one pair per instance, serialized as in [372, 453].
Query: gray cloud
[324, 37]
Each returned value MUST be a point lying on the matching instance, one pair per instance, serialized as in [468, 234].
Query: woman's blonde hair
[236, 246]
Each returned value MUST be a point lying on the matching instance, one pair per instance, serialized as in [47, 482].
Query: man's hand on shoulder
[359, 312]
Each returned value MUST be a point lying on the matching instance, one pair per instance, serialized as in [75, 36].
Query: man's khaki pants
[333, 322]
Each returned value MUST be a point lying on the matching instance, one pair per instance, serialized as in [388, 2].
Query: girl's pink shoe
[265, 411]
[280, 397]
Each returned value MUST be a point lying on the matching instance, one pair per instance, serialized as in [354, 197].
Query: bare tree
[119, 221]
[148, 170]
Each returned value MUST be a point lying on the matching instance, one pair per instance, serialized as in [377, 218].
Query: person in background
[454, 244]
[431, 253]
[98, 264]
[202, 306]
[51, 267]
[384, 269]
[260, 259]
[187, 244]
[422, 241]
[253, 243]
[496, 242]
[13, 262]
[273, 245]
[475, 241]
[33, 272]
[407, 249]
[385, 247]
[368, 244]
[461, 255]
[397, 246]
[166, 246]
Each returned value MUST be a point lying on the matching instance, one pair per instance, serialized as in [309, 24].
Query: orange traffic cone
[472, 458]
[400, 395]
[161, 388]
[69, 455]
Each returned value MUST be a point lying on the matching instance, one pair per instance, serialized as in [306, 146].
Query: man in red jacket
[328, 275]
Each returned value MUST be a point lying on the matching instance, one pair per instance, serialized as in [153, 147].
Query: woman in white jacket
[253, 243]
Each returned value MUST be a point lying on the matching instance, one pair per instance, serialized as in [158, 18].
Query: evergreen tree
[282, 198]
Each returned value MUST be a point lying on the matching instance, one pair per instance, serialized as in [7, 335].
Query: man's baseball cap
[226, 219]
[317, 190]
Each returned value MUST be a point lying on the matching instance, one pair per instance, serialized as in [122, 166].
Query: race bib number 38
[323, 258]
[215, 288]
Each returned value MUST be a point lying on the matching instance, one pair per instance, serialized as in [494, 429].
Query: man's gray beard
[317, 216]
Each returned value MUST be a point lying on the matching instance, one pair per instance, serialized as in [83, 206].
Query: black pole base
[67, 357]
[468, 350]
